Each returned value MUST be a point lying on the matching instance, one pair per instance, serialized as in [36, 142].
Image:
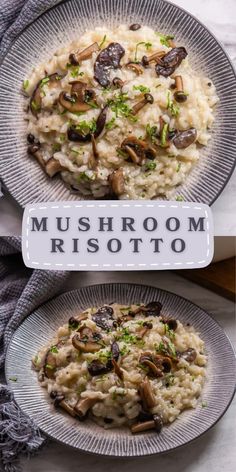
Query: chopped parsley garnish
[35, 106]
[81, 389]
[151, 132]
[164, 39]
[84, 177]
[150, 165]
[62, 137]
[147, 46]
[85, 127]
[103, 41]
[124, 351]
[179, 198]
[141, 88]
[74, 71]
[178, 167]
[44, 81]
[25, 84]
[120, 108]
[166, 348]
[169, 379]
[49, 366]
[174, 109]
[204, 404]
[54, 349]
[110, 124]
[164, 134]
[56, 147]
[121, 153]
[169, 331]
[76, 150]
[13, 379]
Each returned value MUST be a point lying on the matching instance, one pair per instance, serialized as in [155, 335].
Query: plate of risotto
[122, 369]
[132, 102]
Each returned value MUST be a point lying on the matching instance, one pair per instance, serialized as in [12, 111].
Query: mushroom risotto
[124, 365]
[119, 113]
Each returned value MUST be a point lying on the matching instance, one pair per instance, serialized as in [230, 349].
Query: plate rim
[138, 286]
[220, 44]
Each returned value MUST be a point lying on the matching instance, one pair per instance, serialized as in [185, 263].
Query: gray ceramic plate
[23, 176]
[40, 326]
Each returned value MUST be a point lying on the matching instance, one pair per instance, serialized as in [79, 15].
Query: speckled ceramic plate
[22, 175]
[40, 326]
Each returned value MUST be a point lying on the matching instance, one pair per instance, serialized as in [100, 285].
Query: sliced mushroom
[83, 406]
[189, 355]
[156, 423]
[118, 371]
[146, 394]
[73, 322]
[151, 309]
[85, 345]
[183, 139]
[163, 362]
[52, 167]
[147, 98]
[50, 365]
[179, 95]
[78, 100]
[146, 60]
[97, 367]
[69, 409]
[135, 27]
[93, 162]
[167, 65]
[36, 99]
[76, 136]
[77, 57]
[117, 82]
[115, 351]
[171, 322]
[108, 59]
[138, 150]
[104, 317]
[117, 182]
[146, 359]
[142, 331]
[135, 67]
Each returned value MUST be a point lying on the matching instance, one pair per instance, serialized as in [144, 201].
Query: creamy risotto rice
[119, 113]
[124, 365]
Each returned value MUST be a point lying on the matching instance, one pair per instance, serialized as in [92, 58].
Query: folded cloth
[22, 290]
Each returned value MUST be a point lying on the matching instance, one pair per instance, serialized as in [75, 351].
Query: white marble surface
[214, 451]
[220, 17]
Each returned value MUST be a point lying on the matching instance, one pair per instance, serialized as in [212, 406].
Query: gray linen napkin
[21, 291]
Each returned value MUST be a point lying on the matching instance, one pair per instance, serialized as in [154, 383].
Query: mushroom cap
[109, 58]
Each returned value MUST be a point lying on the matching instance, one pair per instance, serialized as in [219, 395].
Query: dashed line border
[61, 266]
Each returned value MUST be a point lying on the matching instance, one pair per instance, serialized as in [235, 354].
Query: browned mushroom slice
[78, 56]
[167, 65]
[94, 158]
[50, 365]
[135, 27]
[96, 367]
[189, 355]
[146, 359]
[108, 59]
[76, 136]
[146, 394]
[117, 82]
[83, 406]
[137, 149]
[36, 99]
[85, 345]
[135, 67]
[69, 409]
[179, 95]
[78, 100]
[146, 60]
[118, 371]
[156, 423]
[52, 167]
[163, 362]
[183, 139]
[171, 323]
[147, 98]
[117, 182]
